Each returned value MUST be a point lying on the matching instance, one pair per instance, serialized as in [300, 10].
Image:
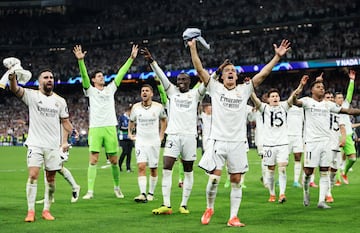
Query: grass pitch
[105, 213]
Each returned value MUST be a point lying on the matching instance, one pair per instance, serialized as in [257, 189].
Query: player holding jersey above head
[145, 117]
[181, 133]
[228, 128]
[47, 111]
[102, 118]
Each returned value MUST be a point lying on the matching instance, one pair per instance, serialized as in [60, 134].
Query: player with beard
[47, 111]
[145, 117]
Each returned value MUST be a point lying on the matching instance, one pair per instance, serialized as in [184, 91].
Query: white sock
[270, 181]
[282, 179]
[211, 190]
[332, 178]
[242, 179]
[69, 177]
[235, 199]
[187, 187]
[50, 188]
[152, 184]
[324, 185]
[306, 182]
[31, 189]
[142, 184]
[264, 168]
[297, 171]
[166, 186]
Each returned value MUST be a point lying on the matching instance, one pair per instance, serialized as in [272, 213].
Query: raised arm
[124, 69]
[279, 52]
[293, 97]
[350, 90]
[255, 100]
[14, 87]
[80, 55]
[202, 73]
[161, 89]
[296, 93]
[156, 68]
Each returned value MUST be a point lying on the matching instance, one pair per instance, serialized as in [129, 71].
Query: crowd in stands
[240, 30]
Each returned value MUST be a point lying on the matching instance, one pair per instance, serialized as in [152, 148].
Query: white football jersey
[259, 128]
[336, 120]
[229, 111]
[275, 124]
[295, 121]
[347, 120]
[317, 119]
[102, 106]
[147, 123]
[182, 110]
[45, 113]
[206, 124]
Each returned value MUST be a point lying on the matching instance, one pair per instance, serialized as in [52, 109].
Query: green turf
[105, 213]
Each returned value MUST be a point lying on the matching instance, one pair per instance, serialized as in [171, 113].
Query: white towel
[14, 65]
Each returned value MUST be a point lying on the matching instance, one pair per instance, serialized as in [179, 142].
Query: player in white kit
[181, 133]
[275, 139]
[149, 119]
[228, 129]
[317, 137]
[295, 121]
[47, 111]
[338, 139]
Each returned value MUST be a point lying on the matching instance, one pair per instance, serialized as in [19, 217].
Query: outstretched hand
[304, 80]
[191, 43]
[147, 55]
[352, 74]
[79, 54]
[283, 48]
[320, 77]
[134, 51]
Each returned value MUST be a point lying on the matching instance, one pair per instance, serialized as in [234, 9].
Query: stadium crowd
[317, 29]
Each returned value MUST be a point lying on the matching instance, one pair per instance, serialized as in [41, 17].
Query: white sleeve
[160, 73]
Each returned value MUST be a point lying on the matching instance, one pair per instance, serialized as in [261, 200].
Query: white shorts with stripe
[184, 145]
[38, 156]
[317, 154]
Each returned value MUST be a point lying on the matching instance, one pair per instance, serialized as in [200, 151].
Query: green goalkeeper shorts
[349, 147]
[103, 136]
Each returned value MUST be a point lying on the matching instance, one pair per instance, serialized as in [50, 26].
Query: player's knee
[214, 179]
[282, 170]
[324, 173]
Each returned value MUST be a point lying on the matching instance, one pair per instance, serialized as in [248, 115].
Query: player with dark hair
[149, 119]
[228, 128]
[102, 119]
[47, 111]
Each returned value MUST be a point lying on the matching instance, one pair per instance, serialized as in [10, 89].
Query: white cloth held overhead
[194, 33]
[14, 65]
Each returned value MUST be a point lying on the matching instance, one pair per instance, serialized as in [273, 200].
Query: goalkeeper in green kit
[102, 118]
